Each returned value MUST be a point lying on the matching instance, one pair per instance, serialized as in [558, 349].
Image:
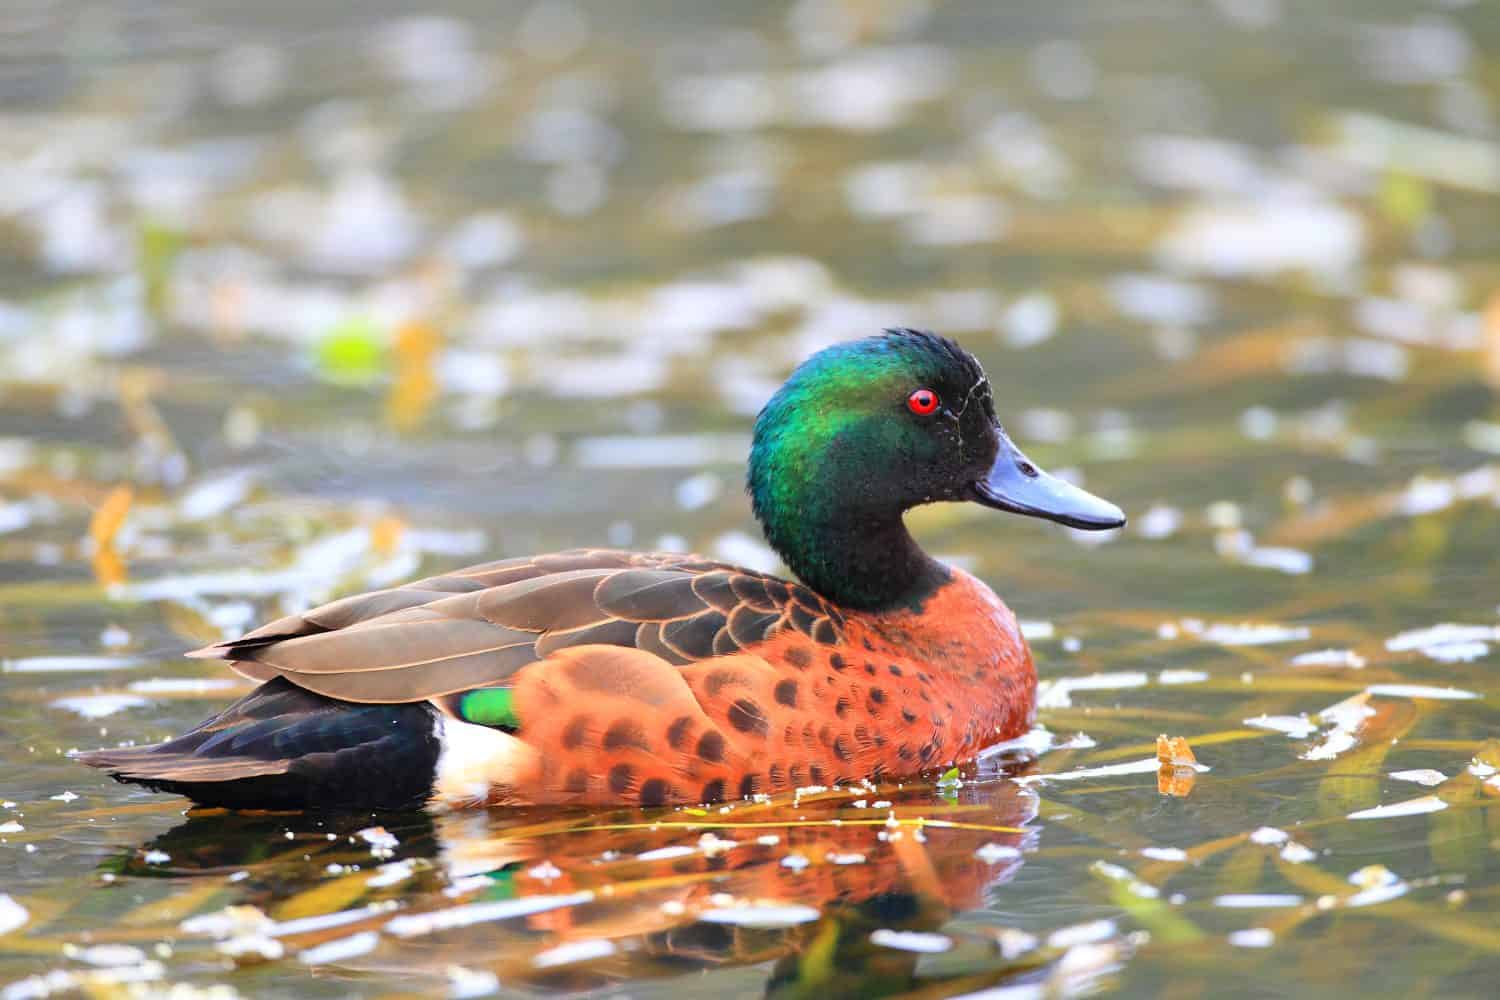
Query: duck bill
[1015, 484]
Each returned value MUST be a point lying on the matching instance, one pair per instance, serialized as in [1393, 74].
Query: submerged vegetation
[314, 304]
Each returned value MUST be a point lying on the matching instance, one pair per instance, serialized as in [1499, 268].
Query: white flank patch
[473, 760]
[1411, 807]
[1422, 776]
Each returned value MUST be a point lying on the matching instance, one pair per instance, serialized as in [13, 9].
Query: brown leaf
[1173, 751]
[107, 520]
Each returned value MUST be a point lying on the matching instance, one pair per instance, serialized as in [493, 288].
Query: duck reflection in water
[841, 893]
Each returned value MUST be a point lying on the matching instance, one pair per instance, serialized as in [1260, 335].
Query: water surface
[320, 300]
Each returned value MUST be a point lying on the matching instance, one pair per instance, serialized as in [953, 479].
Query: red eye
[922, 402]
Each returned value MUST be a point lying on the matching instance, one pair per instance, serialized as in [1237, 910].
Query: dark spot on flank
[718, 680]
[620, 777]
[837, 661]
[798, 657]
[841, 707]
[817, 774]
[711, 746]
[654, 792]
[575, 732]
[843, 749]
[625, 733]
[794, 775]
[713, 791]
[877, 695]
[749, 786]
[929, 751]
[869, 645]
[895, 670]
[777, 776]
[786, 693]
[789, 735]
[908, 716]
[677, 732]
[949, 704]
[578, 781]
[825, 735]
[748, 717]
[824, 632]
[869, 668]
[905, 752]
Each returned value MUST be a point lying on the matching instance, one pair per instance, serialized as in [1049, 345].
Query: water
[317, 301]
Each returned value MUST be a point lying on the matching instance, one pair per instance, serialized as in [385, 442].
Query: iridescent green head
[865, 430]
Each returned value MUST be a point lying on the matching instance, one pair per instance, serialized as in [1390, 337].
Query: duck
[598, 677]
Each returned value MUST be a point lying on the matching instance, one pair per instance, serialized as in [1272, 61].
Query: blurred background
[300, 299]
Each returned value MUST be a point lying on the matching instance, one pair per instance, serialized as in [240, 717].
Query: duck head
[865, 430]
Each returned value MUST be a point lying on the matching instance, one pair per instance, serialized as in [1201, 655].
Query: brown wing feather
[476, 627]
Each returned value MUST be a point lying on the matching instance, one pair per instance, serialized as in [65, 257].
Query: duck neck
[867, 562]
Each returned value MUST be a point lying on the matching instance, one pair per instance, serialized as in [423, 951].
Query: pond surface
[317, 300]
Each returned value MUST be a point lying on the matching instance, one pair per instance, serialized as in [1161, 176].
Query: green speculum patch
[494, 707]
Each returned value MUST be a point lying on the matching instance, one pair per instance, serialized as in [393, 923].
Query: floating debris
[914, 941]
[1411, 807]
[99, 706]
[1257, 900]
[1252, 937]
[574, 952]
[1058, 693]
[760, 915]
[1420, 691]
[421, 924]
[1447, 643]
[1329, 658]
[340, 949]
[1246, 634]
[12, 914]
[1298, 727]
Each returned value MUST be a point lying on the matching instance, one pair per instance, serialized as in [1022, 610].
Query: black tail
[281, 747]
